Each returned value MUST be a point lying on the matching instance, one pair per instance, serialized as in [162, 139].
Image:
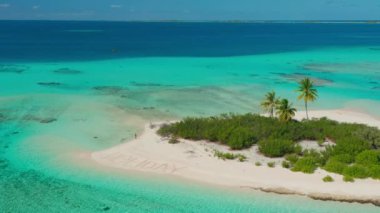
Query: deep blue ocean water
[74, 40]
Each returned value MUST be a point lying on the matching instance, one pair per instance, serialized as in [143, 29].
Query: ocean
[76, 87]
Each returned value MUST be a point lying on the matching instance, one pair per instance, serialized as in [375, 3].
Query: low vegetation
[174, 140]
[229, 156]
[355, 154]
[271, 164]
[328, 178]
[348, 179]
[276, 147]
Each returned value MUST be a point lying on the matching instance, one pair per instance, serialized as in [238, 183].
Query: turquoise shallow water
[51, 111]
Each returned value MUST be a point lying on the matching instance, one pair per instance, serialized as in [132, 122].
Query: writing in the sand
[129, 161]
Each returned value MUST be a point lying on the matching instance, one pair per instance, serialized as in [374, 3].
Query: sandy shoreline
[195, 161]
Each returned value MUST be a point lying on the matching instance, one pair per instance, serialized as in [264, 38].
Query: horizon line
[369, 21]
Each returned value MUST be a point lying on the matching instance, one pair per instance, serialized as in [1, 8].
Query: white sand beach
[149, 153]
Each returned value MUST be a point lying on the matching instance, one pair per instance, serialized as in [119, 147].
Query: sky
[193, 10]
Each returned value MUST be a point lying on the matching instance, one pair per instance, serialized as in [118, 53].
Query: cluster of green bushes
[277, 147]
[229, 156]
[355, 154]
[359, 162]
[242, 131]
[362, 165]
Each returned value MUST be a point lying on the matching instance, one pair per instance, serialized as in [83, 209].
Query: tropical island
[274, 152]
[352, 150]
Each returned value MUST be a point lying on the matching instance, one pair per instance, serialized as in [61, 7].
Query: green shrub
[166, 130]
[242, 158]
[356, 171]
[297, 149]
[224, 156]
[306, 165]
[258, 163]
[271, 164]
[368, 157]
[174, 140]
[320, 142]
[348, 179]
[241, 138]
[328, 178]
[335, 166]
[286, 164]
[229, 156]
[370, 134]
[276, 147]
[292, 158]
[351, 146]
[374, 171]
[343, 158]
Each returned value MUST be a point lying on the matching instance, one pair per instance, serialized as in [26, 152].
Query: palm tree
[285, 110]
[269, 103]
[307, 92]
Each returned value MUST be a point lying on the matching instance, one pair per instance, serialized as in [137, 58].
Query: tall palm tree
[285, 110]
[307, 92]
[269, 103]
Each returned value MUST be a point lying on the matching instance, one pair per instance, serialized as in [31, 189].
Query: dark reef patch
[113, 89]
[3, 164]
[67, 71]
[2, 117]
[50, 84]
[38, 119]
[299, 76]
[322, 68]
[148, 108]
[253, 75]
[5, 68]
[134, 83]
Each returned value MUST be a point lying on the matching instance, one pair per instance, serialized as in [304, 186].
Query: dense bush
[292, 158]
[374, 171]
[335, 166]
[286, 164]
[328, 178]
[348, 179]
[276, 147]
[351, 146]
[245, 130]
[356, 171]
[271, 164]
[368, 157]
[241, 138]
[306, 165]
[342, 158]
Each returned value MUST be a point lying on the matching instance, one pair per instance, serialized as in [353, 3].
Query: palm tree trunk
[307, 115]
